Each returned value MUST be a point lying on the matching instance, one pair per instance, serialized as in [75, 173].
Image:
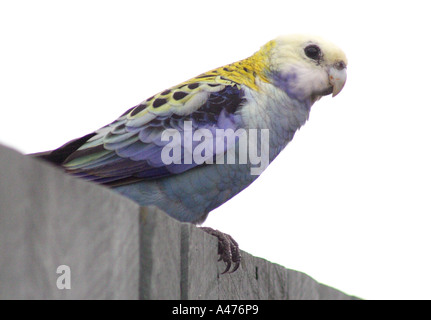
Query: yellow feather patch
[189, 95]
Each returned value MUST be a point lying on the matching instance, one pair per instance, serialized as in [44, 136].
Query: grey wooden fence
[65, 238]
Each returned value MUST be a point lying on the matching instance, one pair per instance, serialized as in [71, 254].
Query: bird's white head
[306, 67]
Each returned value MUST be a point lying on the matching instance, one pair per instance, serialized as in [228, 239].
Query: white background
[347, 202]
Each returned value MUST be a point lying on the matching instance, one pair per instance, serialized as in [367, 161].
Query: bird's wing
[130, 148]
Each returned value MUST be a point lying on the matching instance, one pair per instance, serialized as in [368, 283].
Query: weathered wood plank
[115, 249]
[48, 219]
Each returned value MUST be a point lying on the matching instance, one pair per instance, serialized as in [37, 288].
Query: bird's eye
[313, 52]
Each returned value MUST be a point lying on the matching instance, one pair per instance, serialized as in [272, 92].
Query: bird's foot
[228, 249]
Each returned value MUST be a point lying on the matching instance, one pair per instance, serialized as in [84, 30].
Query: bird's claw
[228, 249]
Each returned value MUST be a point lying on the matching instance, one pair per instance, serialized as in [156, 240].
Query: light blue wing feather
[130, 148]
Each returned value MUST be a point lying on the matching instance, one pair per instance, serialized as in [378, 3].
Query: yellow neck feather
[244, 71]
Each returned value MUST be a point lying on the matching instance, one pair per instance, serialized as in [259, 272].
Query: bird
[172, 150]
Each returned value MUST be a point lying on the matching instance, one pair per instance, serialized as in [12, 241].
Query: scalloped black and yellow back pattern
[181, 98]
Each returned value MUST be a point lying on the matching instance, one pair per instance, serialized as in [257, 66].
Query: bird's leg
[228, 249]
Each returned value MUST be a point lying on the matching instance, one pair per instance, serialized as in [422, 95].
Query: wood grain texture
[116, 249]
[48, 219]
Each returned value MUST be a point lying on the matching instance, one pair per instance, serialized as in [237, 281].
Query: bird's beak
[337, 77]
